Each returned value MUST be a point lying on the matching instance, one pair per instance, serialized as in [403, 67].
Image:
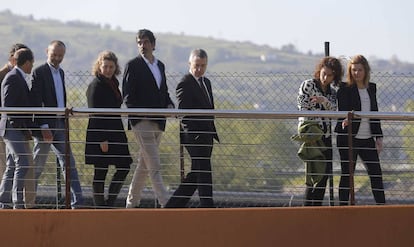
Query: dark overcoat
[101, 94]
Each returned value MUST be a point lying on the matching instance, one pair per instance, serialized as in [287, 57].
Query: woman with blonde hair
[106, 141]
[359, 94]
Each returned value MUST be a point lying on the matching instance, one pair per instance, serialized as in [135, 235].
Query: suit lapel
[150, 76]
[209, 90]
[371, 94]
[163, 79]
[25, 87]
[62, 76]
[20, 75]
[356, 101]
[201, 93]
[51, 82]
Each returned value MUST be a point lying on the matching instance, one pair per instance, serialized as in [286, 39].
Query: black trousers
[200, 147]
[115, 186]
[366, 150]
[314, 195]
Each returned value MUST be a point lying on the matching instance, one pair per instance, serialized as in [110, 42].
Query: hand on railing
[344, 123]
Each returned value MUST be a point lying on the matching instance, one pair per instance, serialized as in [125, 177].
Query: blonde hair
[105, 55]
[358, 59]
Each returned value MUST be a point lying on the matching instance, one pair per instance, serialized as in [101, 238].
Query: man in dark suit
[48, 90]
[15, 130]
[3, 71]
[29, 183]
[196, 133]
[145, 86]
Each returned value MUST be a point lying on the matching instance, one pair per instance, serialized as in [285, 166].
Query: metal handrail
[68, 113]
[248, 114]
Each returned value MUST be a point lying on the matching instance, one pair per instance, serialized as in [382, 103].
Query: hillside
[85, 40]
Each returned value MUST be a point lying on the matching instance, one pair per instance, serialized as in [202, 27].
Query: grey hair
[200, 53]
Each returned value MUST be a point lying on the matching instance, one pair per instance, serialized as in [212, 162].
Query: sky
[374, 28]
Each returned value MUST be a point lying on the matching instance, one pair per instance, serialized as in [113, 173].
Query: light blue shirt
[155, 70]
[57, 79]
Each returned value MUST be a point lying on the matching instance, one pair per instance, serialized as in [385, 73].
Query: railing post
[58, 182]
[330, 171]
[67, 160]
[351, 160]
[326, 48]
[182, 175]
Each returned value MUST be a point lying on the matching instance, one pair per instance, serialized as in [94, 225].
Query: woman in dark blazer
[358, 94]
[106, 141]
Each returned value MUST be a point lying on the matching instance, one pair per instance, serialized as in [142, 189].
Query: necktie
[204, 89]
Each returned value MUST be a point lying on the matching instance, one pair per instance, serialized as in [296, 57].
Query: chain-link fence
[256, 163]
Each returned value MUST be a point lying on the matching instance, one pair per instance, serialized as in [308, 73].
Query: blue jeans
[17, 165]
[40, 152]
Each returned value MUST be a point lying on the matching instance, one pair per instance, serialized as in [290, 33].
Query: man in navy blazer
[3, 71]
[196, 133]
[48, 90]
[15, 130]
[29, 183]
[144, 86]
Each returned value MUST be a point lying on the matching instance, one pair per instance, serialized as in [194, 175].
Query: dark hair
[331, 63]
[23, 55]
[16, 47]
[57, 42]
[200, 53]
[142, 33]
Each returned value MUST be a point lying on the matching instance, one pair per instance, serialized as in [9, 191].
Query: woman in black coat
[106, 141]
[359, 94]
